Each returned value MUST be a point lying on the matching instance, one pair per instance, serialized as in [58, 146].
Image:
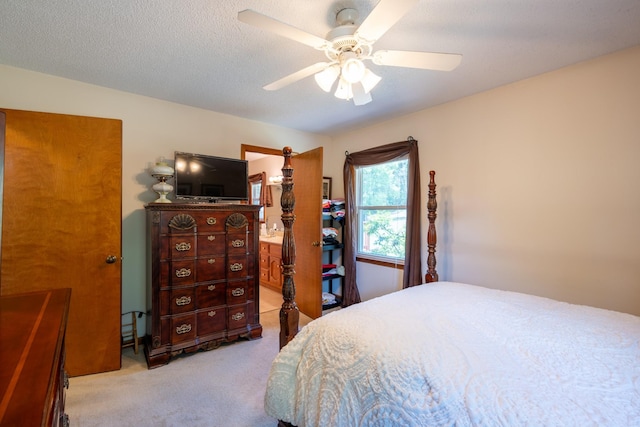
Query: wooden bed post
[432, 205]
[289, 313]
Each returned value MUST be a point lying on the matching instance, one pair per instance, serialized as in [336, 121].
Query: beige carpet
[222, 387]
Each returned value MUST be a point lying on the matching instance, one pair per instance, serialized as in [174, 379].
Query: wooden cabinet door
[275, 268]
[61, 225]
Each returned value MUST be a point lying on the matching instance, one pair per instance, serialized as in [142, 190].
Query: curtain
[265, 191]
[412, 260]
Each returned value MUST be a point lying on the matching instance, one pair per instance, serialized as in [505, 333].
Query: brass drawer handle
[238, 243]
[183, 272]
[211, 237]
[211, 313]
[211, 221]
[236, 266]
[211, 260]
[211, 287]
[237, 292]
[183, 329]
[238, 316]
[183, 246]
[185, 300]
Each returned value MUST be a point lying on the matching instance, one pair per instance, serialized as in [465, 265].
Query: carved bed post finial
[289, 313]
[432, 205]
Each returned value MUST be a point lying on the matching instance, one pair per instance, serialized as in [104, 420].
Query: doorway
[308, 225]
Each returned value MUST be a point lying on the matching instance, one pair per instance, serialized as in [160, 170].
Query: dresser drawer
[209, 222]
[183, 246]
[237, 292]
[182, 300]
[212, 320]
[177, 273]
[238, 315]
[210, 295]
[211, 243]
[183, 328]
[264, 247]
[176, 301]
[211, 268]
[240, 291]
[239, 243]
[239, 266]
[264, 260]
[264, 275]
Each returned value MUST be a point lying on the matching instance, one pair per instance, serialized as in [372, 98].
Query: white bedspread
[449, 354]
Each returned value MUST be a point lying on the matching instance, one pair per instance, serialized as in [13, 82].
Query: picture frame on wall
[326, 188]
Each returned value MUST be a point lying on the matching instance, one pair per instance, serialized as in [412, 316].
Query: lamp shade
[360, 97]
[369, 80]
[352, 68]
[344, 89]
[327, 77]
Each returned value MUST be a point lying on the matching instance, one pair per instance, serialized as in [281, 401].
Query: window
[381, 205]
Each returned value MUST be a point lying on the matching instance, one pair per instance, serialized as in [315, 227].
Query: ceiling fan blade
[298, 75]
[382, 17]
[259, 20]
[424, 60]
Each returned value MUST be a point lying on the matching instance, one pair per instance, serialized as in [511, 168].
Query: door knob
[316, 243]
[111, 259]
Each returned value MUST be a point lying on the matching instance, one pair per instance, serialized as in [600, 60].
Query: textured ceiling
[196, 52]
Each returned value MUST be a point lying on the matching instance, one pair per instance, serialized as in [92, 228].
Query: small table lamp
[162, 172]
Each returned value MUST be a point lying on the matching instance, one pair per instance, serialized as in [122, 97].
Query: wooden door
[61, 225]
[307, 230]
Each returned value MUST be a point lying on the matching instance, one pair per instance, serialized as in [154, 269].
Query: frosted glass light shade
[369, 80]
[360, 97]
[353, 70]
[344, 90]
[327, 77]
[161, 171]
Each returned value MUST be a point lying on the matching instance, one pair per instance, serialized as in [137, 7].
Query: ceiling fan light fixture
[327, 77]
[369, 80]
[346, 47]
[344, 90]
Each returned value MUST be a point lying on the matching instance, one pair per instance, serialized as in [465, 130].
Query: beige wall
[539, 184]
[151, 129]
[538, 180]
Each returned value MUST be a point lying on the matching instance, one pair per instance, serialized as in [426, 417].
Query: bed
[453, 354]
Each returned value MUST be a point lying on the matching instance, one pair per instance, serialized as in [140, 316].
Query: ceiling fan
[348, 45]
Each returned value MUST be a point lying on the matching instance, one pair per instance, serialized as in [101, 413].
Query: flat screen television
[203, 178]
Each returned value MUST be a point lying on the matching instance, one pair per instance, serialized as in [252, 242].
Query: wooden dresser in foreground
[203, 277]
[32, 377]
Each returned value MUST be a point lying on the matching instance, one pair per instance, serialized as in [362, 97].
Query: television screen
[210, 178]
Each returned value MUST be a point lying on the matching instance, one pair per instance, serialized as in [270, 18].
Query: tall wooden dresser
[203, 277]
[32, 377]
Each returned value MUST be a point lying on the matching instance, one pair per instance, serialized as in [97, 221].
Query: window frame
[252, 201]
[387, 261]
